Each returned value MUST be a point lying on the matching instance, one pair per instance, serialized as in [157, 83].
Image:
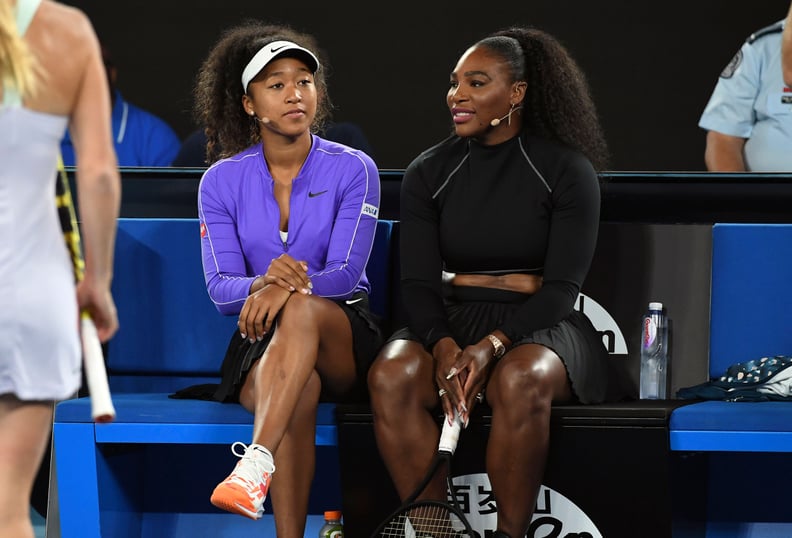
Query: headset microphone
[265, 120]
[497, 121]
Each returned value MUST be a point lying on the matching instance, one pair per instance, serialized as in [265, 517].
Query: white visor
[271, 51]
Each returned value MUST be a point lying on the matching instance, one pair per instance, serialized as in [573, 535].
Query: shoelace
[250, 472]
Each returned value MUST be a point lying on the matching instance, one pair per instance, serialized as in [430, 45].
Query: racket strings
[425, 521]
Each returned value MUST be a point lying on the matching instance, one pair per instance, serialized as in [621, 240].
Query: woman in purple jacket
[287, 225]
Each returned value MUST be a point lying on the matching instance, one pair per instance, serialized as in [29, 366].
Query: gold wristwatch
[500, 349]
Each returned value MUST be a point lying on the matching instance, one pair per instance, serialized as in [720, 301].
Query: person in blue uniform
[498, 227]
[140, 137]
[749, 115]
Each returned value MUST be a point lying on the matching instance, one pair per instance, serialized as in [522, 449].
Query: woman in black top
[499, 225]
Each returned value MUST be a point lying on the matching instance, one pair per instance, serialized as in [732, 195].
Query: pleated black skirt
[574, 339]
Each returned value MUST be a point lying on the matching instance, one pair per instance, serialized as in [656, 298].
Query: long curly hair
[558, 104]
[218, 89]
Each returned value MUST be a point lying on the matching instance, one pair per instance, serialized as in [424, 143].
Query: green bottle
[332, 527]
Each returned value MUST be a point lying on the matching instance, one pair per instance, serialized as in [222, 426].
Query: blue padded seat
[170, 336]
[749, 318]
[168, 324]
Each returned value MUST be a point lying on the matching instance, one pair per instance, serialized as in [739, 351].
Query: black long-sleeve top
[526, 205]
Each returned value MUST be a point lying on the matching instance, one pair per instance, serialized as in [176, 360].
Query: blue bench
[742, 449]
[750, 317]
[122, 479]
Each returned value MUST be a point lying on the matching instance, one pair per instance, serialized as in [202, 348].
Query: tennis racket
[429, 518]
[102, 409]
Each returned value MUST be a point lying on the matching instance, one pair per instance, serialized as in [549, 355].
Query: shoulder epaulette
[767, 30]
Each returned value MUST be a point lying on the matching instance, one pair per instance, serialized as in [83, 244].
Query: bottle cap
[332, 514]
[655, 306]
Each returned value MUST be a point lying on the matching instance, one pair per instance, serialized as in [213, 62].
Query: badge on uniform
[728, 71]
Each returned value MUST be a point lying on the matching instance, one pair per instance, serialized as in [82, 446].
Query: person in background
[192, 152]
[498, 227]
[42, 91]
[748, 118]
[786, 48]
[287, 222]
[140, 137]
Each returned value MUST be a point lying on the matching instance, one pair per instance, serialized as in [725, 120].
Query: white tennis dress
[40, 357]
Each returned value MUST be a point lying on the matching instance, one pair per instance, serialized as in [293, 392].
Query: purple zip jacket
[333, 215]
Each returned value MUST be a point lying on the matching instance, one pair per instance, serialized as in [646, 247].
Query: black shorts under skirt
[574, 340]
[241, 353]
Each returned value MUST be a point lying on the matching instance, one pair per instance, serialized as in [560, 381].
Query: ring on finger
[442, 392]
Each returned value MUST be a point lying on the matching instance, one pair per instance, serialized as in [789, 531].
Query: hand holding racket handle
[449, 436]
[102, 410]
[438, 517]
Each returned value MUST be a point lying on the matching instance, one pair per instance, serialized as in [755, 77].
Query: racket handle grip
[102, 409]
[449, 436]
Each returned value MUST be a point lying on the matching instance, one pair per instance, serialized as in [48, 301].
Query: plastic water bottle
[332, 527]
[654, 353]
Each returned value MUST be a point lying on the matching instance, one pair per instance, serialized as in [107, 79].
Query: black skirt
[574, 339]
[241, 354]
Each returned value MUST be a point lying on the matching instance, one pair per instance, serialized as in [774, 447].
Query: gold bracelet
[500, 349]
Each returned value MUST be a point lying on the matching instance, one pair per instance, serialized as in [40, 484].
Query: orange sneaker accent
[243, 492]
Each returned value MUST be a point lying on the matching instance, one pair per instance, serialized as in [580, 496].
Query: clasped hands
[460, 375]
[269, 292]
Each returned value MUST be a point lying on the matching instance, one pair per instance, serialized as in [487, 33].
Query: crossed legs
[311, 351]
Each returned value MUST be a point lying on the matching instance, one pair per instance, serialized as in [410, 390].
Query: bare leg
[296, 461]
[520, 391]
[313, 334]
[403, 399]
[311, 348]
[24, 434]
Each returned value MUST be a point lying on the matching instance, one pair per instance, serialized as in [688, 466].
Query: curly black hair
[558, 104]
[218, 89]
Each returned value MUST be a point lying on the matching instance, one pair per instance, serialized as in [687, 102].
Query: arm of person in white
[724, 153]
[786, 48]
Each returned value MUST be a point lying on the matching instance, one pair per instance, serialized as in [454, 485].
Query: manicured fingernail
[451, 373]
[243, 335]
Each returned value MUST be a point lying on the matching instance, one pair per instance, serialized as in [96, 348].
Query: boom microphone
[265, 120]
[497, 121]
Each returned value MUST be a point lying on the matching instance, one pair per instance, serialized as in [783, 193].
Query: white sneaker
[243, 492]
